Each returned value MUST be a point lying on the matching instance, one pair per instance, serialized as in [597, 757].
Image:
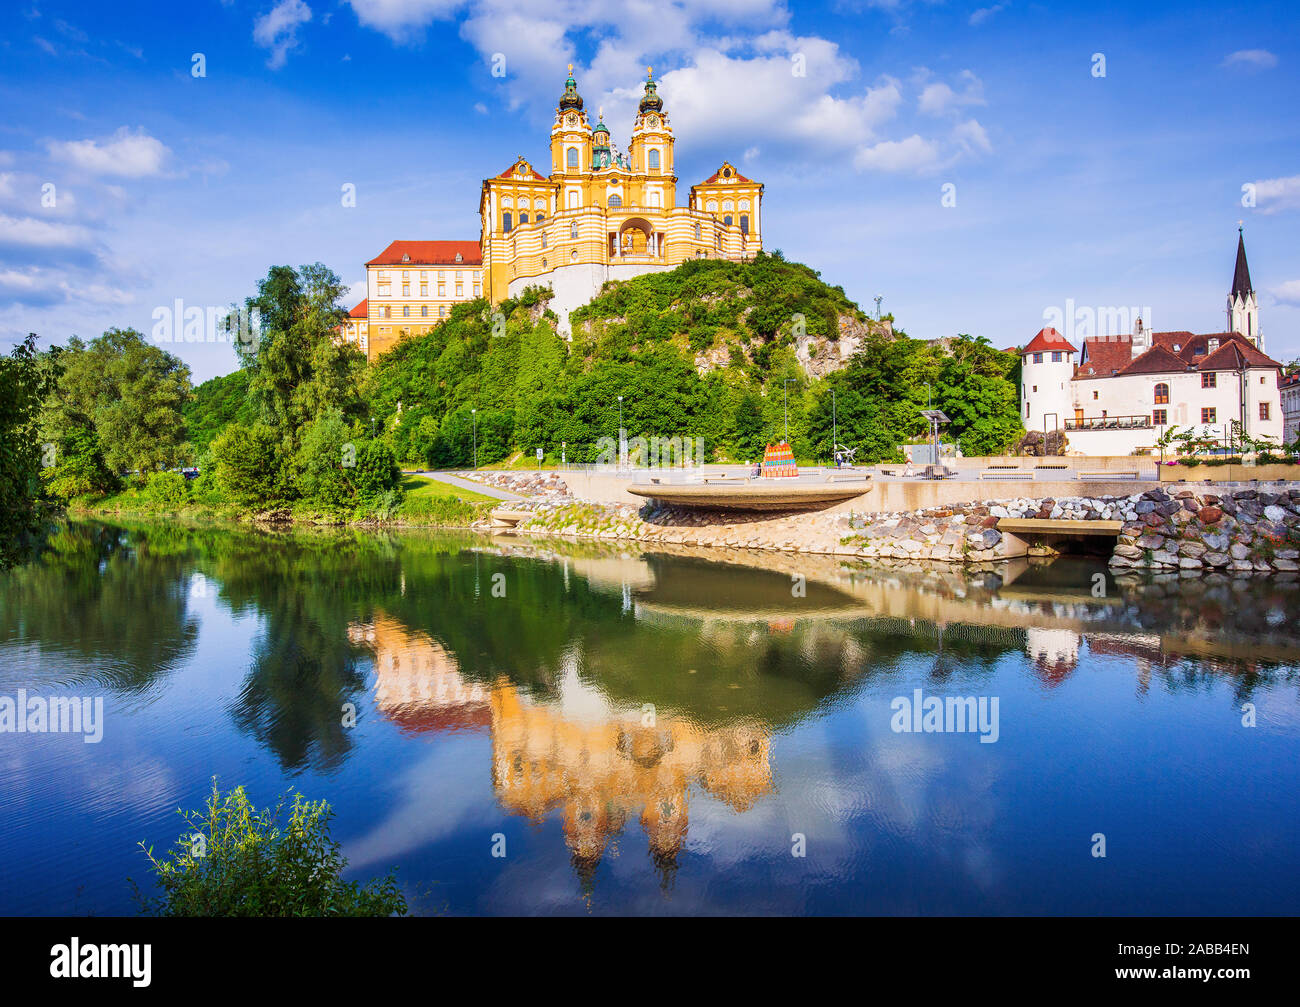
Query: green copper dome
[570, 99]
[650, 101]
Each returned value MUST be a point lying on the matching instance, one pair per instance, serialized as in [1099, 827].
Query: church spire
[1241, 276]
[1243, 305]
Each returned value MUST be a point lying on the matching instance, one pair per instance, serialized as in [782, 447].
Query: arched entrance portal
[636, 237]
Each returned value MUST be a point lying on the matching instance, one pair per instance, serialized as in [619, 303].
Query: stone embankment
[538, 485]
[1235, 531]
[1245, 531]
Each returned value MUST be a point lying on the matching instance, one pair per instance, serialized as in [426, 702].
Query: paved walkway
[466, 484]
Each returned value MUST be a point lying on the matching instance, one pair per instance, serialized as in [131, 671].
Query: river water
[574, 728]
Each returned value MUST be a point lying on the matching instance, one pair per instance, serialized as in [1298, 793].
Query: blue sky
[1108, 191]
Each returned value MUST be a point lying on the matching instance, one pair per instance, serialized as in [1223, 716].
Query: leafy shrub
[167, 489]
[79, 469]
[376, 472]
[248, 465]
[325, 463]
[237, 860]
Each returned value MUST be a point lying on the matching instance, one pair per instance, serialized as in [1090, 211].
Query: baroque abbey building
[601, 214]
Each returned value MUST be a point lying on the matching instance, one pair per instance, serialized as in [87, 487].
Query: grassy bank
[425, 503]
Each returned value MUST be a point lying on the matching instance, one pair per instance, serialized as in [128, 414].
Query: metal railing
[1141, 422]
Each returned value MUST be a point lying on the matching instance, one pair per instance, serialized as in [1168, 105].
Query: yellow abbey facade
[604, 215]
[599, 215]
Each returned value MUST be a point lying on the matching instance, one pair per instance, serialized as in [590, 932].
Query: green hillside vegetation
[639, 339]
[216, 403]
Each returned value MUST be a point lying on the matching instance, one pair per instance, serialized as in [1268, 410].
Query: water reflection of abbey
[602, 762]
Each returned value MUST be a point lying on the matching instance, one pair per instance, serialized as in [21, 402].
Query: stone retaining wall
[1241, 531]
[1235, 531]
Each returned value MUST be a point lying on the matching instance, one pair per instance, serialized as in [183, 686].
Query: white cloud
[33, 233]
[1287, 293]
[978, 17]
[971, 136]
[277, 30]
[403, 20]
[1259, 59]
[126, 154]
[728, 70]
[1274, 194]
[915, 154]
[938, 98]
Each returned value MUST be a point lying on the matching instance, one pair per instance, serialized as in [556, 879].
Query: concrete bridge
[1019, 535]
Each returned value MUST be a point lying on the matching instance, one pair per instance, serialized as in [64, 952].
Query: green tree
[248, 466]
[130, 392]
[25, 382]
[299, 367]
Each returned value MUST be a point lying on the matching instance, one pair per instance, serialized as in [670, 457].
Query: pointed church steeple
[1243, 306]
[1241, 275]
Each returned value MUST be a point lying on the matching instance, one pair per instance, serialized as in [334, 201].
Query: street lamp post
[621, 439]
[474, 416]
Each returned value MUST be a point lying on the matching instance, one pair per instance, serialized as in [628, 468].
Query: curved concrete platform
[752, 494]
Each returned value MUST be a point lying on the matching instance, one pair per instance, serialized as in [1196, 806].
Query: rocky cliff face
[819, 356]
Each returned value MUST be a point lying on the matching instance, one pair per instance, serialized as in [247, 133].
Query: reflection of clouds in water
[434, 797]
[109, 779]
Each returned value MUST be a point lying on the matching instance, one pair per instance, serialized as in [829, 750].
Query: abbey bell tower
[651, 149]
[571, 134]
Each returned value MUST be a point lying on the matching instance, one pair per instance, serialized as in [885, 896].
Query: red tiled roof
[361, 310]
[1194, 348]
[429, 253]
[1290, 379]
[1104, 355]
[510, 173]
[1179, 350]
[1234, 355]
[1156, 360]
[1048, 339]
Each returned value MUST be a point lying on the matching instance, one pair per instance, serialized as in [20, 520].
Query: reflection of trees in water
[116, 602]
[118, 599]
[304, 668]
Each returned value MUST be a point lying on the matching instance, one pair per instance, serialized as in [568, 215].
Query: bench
[844, 477]
[1052, 465]
[1000, 468]
[1108, 475]
[724, 479]
[1016, 475]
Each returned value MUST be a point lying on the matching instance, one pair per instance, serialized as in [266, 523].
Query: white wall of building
[1290, 412]
[575, 285]
[1045, 399]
